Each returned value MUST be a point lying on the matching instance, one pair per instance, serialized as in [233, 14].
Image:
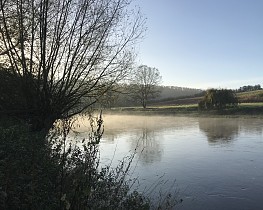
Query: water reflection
[219, 130]
[148, 147]
[147, 129]
[143, 131]
[178, 147]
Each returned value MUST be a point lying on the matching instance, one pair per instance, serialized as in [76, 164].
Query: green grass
[259, 104]
[243, 109]
[251, 96]
[175, 106]
[244, 97]
[251, 105]
[251, 93]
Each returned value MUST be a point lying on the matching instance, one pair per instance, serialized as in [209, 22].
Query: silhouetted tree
[144, 84]
[65, 52]
[218, 98]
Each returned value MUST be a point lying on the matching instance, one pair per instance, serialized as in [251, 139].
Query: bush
[218, 99]
[49, 172]
[27, 171]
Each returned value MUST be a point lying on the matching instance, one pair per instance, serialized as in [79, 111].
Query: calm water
[217, 162]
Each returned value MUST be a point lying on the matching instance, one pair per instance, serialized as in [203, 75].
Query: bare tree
[66, 52]
[144, 84]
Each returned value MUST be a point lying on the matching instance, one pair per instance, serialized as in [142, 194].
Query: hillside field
[243, 97]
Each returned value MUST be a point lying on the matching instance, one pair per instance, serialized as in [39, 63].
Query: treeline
[247, 88]
[177, 92]
[122, 96]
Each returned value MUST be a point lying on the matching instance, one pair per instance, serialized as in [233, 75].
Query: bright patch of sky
[204, 43]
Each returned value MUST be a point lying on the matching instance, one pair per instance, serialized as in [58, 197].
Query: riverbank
[243, 110]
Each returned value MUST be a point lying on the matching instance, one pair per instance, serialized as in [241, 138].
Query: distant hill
[172, 92]
[173, 95]
[122, 98]
[250, 96]
[243, 97]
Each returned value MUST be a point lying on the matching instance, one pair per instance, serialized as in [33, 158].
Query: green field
[251, 104]
[251, 96]
[242, 110]
[244, 97]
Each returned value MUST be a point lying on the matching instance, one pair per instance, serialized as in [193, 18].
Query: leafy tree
[218, 98]
[64, 53]
[144, 84]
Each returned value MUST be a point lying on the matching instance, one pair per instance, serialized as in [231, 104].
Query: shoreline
[244, 111]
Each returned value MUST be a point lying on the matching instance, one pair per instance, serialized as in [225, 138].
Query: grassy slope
[251, 104]
[245, 109]
[251, 96]
[245, 97]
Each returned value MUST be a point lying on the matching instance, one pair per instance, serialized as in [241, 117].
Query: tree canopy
[65, 52]
[218, 99]
[144, 84]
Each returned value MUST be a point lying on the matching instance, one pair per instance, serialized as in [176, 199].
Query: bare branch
[69, 50]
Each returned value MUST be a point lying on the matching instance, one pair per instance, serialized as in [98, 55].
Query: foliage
[65, 54]
[218, 99]
[9, 86]
[60, 174]
[144, 84]
[28, 173]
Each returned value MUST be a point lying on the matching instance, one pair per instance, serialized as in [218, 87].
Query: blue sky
[204, 43]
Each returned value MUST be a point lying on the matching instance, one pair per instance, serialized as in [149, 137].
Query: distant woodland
[122, 96]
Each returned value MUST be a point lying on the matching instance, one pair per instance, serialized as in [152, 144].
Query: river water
[217, 162]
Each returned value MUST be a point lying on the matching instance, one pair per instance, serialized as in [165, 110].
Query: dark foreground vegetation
[50, 172]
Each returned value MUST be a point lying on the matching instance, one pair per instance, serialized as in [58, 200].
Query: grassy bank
[243, 109]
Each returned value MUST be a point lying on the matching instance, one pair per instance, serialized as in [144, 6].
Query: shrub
[27, 171]
[50, 172]
[218, 99]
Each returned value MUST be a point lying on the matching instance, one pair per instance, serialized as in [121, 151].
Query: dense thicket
[218, 99]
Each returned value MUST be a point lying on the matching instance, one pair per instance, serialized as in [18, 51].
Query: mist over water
[217, 162]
